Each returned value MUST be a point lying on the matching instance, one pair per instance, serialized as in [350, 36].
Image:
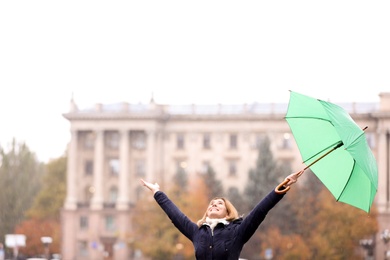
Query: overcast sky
[202, 52]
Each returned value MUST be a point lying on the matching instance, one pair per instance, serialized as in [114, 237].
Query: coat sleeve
[253, 220]
[181, 221]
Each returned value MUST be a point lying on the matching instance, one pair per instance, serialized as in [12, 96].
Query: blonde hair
[232, 213]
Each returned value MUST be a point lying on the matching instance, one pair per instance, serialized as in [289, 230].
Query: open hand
[154, 187]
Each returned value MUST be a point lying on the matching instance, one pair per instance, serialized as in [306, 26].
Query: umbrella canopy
[335, 148]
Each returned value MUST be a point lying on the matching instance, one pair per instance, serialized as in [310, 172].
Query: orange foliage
[34, 229]
[285, 246]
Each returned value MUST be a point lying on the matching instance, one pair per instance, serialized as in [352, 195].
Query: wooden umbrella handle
[281, 188]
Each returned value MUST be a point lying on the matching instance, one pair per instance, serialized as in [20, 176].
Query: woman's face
[217, 209]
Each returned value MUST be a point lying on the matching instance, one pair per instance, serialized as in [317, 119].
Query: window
[140, 168]
[110, 223]
[233, 141]
[88, 167]
[206, 141]
[113, 194]
[114, 167]
[89, 140]
[83, 222]
[232, 168]
[138, 140]
[180, 141]
[112, 139]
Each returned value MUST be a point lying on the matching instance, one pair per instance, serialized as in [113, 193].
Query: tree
[34, 229]
[236, 198]
[329, 229]
[213, 185]
[44, 214]
[288, 247]
[20, 180]
[50, 199]
[262, 179]
[180, 180]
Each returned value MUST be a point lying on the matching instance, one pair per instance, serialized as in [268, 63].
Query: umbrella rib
[349, 177]
[357, 138]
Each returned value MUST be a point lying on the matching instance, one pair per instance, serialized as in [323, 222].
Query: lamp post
[46, 243]
[385, 236]
[368, 245]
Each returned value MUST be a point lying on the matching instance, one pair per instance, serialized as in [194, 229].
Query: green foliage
[20, 180]
[50, 199]
[214, 186]
[180, 179]
[264, 177]
[236, 199]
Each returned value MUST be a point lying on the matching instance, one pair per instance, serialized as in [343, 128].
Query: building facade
[112, 146]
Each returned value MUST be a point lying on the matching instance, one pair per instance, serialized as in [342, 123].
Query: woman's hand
[284, 186]
[293, 178]
[154, 187]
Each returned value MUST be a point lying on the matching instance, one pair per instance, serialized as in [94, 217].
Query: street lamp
[385, 236]
[46, 242]
[368, 245]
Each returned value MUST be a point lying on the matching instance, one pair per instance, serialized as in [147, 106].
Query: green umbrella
[335, 148]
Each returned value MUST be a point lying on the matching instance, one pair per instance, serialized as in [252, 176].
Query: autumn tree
[50, 199]
[329, 229]
[34, 229]
[44, 213]
[20, 180]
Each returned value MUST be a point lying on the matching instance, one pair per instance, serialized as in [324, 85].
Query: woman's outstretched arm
[179, 219]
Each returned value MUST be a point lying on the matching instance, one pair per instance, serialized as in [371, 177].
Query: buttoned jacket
[226, 241]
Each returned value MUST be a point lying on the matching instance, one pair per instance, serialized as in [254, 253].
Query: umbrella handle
[281, 188]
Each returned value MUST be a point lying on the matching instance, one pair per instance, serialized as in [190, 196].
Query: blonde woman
[221, 233]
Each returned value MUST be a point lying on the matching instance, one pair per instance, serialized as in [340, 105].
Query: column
[151, 159]
[97, 200]
[383, 178]
[71, 195]
[123, 197]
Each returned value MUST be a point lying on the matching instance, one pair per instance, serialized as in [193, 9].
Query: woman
[221, 233]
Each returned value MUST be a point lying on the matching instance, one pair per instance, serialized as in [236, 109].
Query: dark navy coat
[227, 241]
